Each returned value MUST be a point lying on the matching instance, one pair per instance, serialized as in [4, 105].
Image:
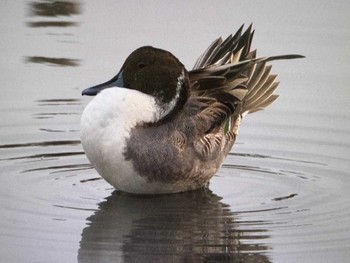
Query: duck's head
[153, 71]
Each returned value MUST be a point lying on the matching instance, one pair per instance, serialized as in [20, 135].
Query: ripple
[281, 196]
[40, 144]
[304, 201]
[269, 206]
[194, 226]
[266, 204]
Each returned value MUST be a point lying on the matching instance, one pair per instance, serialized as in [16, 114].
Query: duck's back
[184, 147]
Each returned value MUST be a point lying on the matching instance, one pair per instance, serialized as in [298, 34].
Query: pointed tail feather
[229, 67]
[262, 84]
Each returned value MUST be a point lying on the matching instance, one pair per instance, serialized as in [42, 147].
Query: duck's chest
[106, 126]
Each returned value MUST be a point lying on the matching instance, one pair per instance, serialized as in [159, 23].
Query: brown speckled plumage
[226, 82]
[203, 109]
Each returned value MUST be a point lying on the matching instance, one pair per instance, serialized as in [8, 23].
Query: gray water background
[282, 194]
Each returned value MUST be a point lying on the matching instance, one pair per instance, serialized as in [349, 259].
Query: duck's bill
[117, 81]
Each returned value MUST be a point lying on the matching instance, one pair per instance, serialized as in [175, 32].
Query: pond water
[282, 194]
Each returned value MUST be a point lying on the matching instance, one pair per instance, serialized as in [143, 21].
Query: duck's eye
[141, 65]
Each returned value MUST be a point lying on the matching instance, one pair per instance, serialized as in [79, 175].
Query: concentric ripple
[282, 194]
[259, 208]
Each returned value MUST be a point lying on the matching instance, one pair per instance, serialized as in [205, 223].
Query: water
[282, 194]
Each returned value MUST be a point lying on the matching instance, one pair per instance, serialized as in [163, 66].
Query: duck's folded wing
[228, 81]
[220, 52]
[228, 74]
[215, 117]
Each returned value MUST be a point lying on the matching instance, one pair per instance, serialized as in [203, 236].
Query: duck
[158, 128]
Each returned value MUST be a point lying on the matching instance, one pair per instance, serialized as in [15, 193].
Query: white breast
[105, 126]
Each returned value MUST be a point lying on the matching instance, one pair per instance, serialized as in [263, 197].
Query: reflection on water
[57, 102]
[54, 61]
[50, 153]
[282, 194]
[189, 227]
[263, 170]
[57, 12]
[54, 8]
[52, 24]
[40, 144]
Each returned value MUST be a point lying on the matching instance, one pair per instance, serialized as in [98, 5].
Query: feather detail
[229, 81]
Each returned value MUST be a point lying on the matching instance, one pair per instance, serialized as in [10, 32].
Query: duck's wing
[228, 81]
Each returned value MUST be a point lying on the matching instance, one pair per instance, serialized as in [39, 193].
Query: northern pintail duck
[158, 128]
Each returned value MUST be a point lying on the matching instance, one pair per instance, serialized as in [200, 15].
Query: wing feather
[227, 81]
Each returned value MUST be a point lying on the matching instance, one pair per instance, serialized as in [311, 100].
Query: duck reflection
[188, 227]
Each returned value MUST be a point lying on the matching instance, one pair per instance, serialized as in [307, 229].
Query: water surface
[282, 194]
